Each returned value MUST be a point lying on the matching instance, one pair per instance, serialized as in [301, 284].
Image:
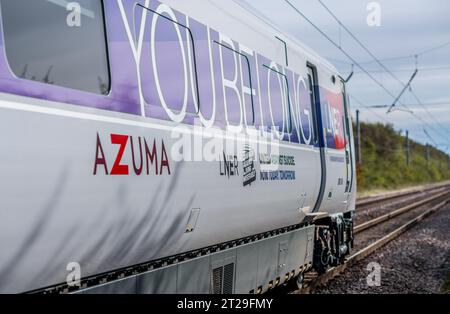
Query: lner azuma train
[117, 172]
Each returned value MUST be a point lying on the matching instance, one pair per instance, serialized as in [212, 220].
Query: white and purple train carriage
[116, 173]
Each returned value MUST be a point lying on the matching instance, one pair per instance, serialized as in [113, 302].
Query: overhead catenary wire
[415, 105]
[405, 86]
[377, 60]
[360, 103]
[411, 56]
[433, 49]
[421, 69]
[391, 108]
[428, 135]
[359, 41]
[421, 104]
[299, 12]
[340, 48]
[371, 109]
[354, 62]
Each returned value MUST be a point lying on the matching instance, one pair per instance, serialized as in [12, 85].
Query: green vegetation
[384, 163]
[446, 286]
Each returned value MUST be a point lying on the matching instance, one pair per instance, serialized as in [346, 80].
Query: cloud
[408, 27]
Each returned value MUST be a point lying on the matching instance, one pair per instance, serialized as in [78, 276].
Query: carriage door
[313, 89]
[348, 144]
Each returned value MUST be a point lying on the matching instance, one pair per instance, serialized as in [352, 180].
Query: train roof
[294, 41]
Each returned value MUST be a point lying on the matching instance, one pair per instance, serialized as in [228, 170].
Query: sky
[407, 28]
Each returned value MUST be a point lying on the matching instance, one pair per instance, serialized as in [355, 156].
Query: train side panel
[110, 178]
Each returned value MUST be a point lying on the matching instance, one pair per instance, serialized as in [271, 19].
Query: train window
[312, 83]
[281, 116]
[285, 49]
[172, 48]
[57, 42]
[249, 111]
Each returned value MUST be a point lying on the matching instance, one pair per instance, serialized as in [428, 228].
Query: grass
[446, 286]
[384, 164]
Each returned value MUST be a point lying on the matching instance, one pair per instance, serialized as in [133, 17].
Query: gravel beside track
[416, 262]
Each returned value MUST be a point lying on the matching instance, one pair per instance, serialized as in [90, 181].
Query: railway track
[370, 202]
[408, 216]
[312, 280]
[366, 213]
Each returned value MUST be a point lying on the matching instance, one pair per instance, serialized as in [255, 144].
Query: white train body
[138, 169]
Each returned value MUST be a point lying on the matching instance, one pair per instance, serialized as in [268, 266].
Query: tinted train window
[57, 42]
[312, 83]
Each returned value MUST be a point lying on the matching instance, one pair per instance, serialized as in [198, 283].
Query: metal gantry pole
[407, 149]
[358, 139]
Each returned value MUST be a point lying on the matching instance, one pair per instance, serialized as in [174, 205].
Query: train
[167, 146]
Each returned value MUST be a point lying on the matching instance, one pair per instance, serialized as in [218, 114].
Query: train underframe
[333, 241]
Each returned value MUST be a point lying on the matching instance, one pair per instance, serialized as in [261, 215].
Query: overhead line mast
[396, 99]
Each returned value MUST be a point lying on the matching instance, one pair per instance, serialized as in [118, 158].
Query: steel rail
[368, 250]
[376, 221]
[362, 202]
